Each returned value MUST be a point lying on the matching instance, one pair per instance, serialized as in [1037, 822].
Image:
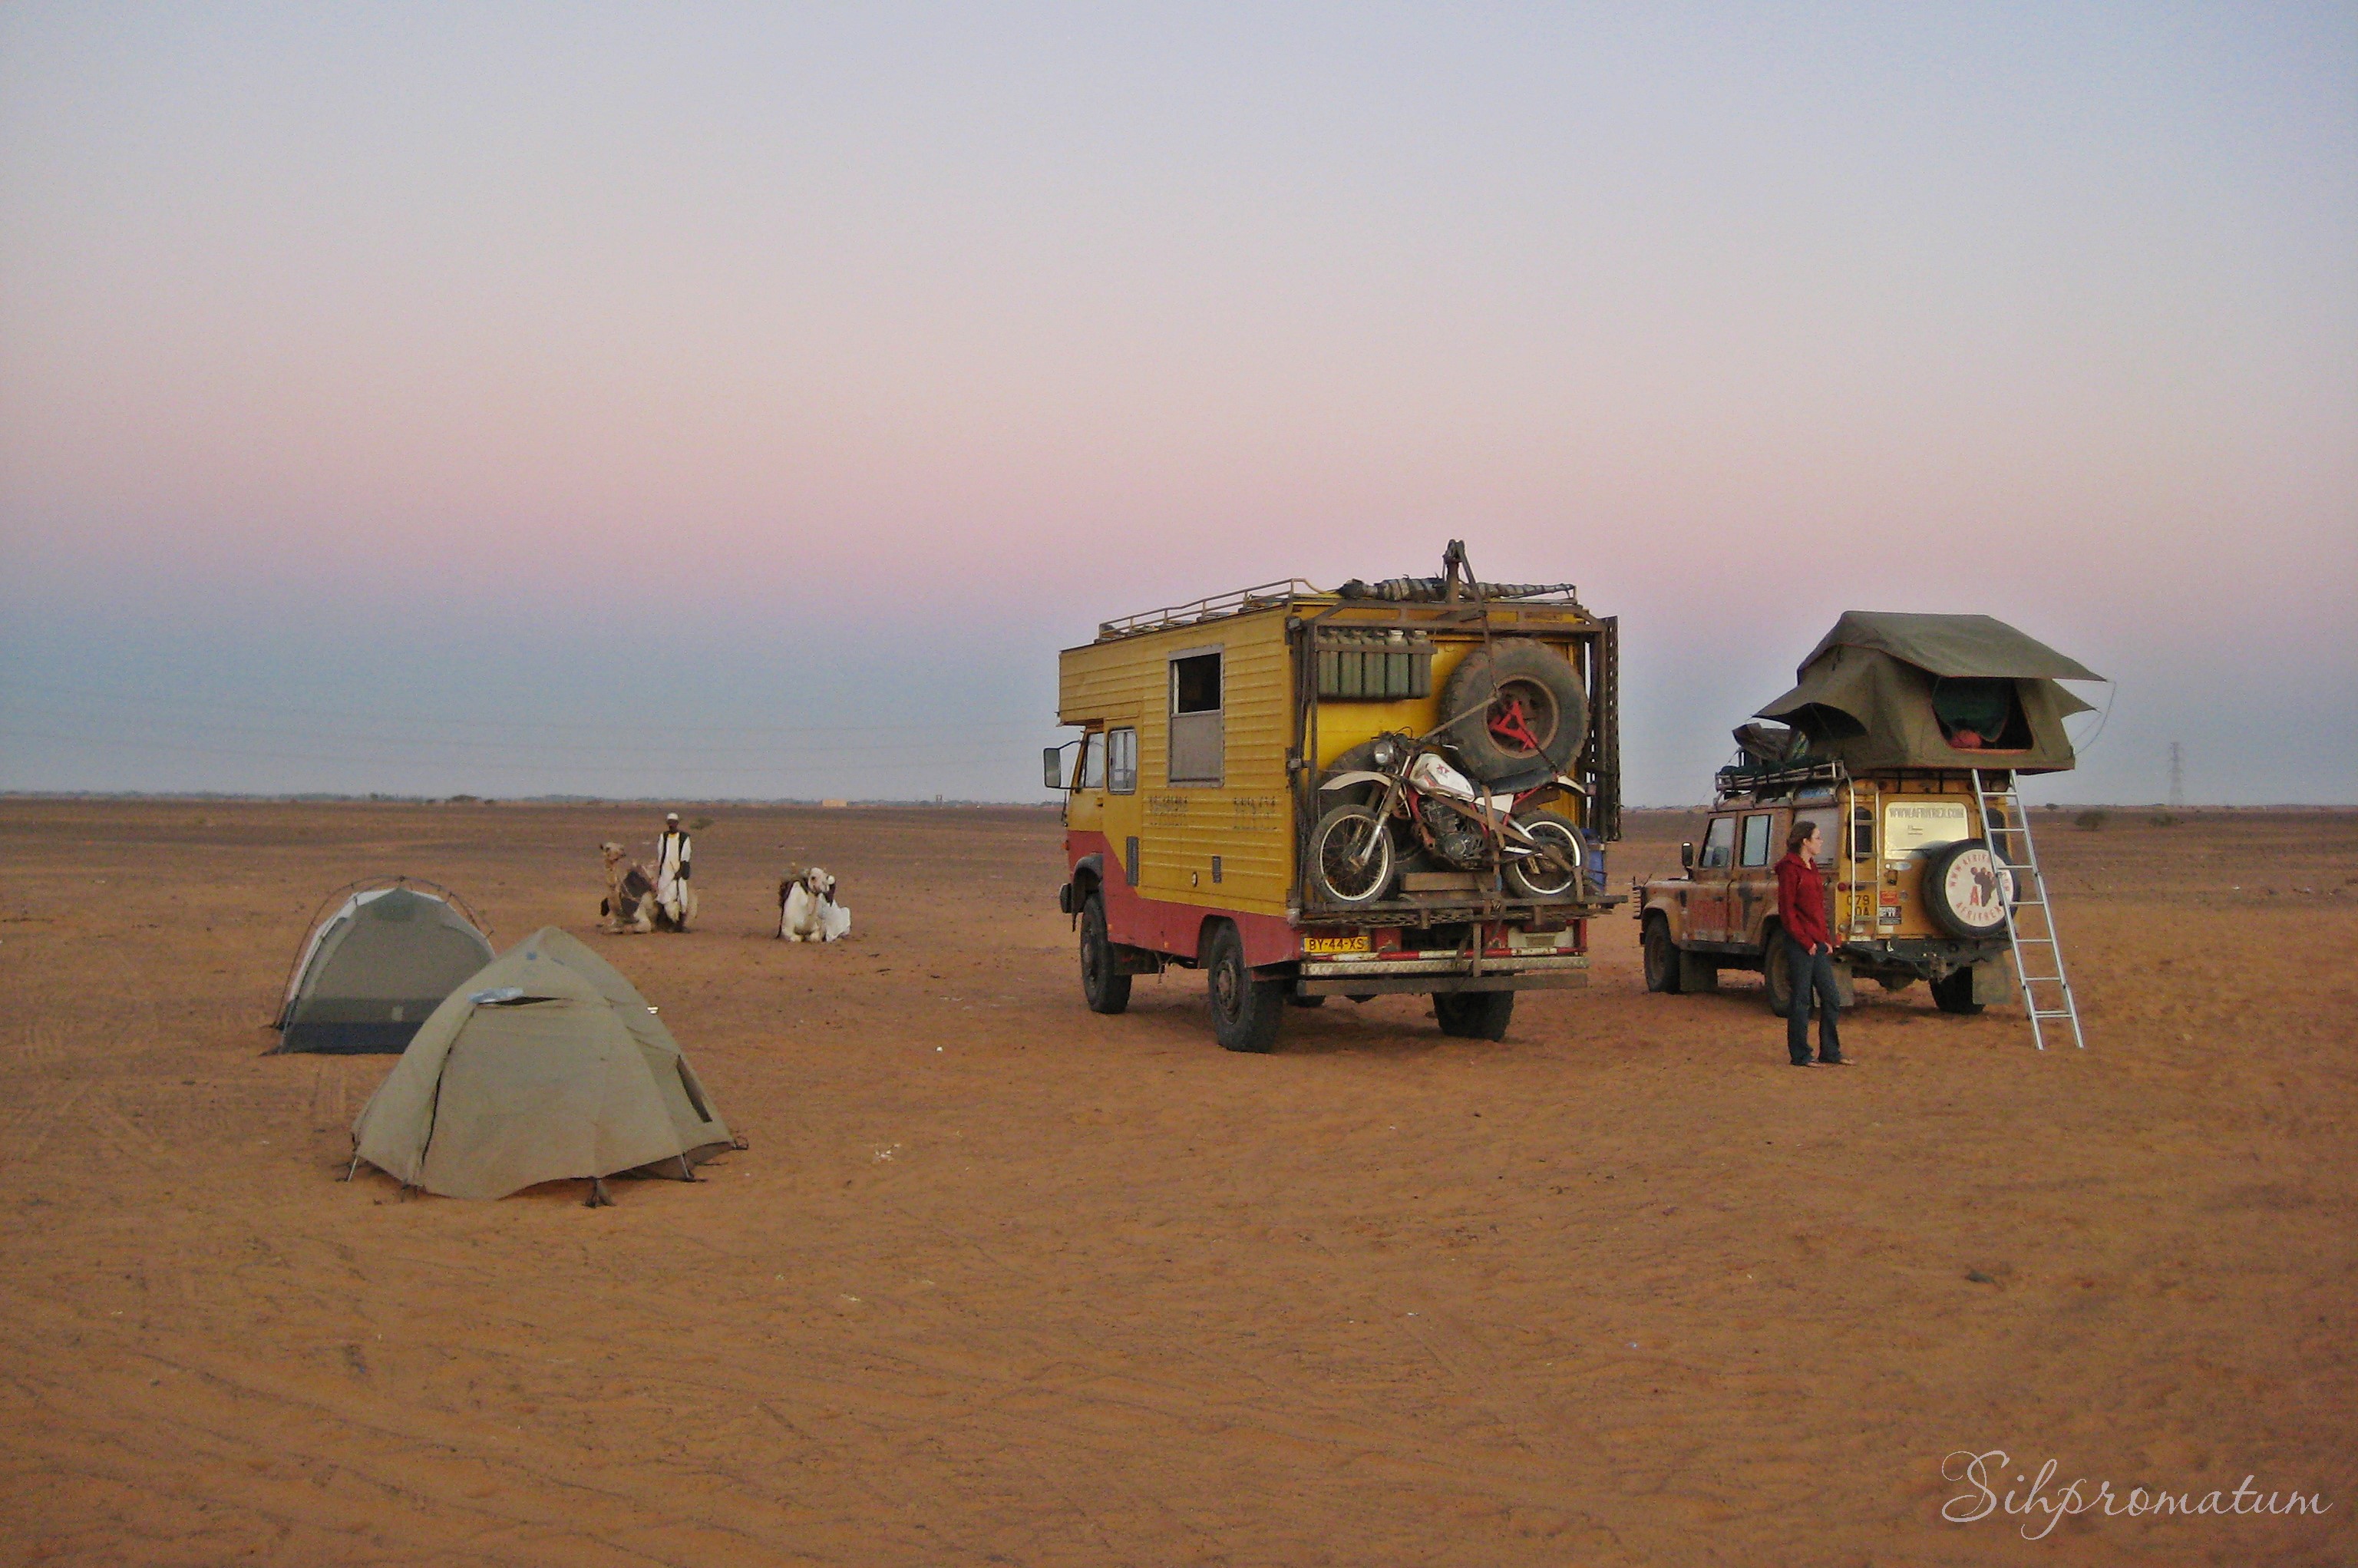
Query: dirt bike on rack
[1415, 794]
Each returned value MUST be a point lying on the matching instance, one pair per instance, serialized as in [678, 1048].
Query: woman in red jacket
[1809, 949]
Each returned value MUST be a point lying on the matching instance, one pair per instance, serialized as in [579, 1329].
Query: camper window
[1756, 838]
[1198, 750]
[1121, 762]
[1195, 683]
[1718, 843]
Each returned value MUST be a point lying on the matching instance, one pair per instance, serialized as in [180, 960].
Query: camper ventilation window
[1198, 731]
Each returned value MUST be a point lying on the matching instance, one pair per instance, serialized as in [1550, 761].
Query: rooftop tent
[1885, 690]
[371, 972]
[543, 1066]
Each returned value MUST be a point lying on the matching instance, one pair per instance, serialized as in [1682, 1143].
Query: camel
[629, 902]
[808, 910]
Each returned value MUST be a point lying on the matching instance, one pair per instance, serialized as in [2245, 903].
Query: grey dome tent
[545, 1065]
[370, 973]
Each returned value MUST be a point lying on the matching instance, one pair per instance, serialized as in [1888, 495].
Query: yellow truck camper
[1216, 736]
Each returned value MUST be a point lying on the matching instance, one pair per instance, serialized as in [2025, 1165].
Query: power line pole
[2176, 777]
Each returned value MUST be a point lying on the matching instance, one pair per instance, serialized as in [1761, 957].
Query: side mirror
[1052, 771]
[1687, 856]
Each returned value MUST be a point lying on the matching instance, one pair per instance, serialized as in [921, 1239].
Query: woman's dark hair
[1802, 834]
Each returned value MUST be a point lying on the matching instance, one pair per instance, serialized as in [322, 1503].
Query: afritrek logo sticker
[2041, 1505]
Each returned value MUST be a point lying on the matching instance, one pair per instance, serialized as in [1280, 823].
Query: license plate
[1316, 945]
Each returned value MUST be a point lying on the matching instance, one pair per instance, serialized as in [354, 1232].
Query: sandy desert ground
[1000, 1280]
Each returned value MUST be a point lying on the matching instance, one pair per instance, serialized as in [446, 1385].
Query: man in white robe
[673, 895]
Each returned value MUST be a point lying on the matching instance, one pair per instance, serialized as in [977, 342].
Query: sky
[704, 402]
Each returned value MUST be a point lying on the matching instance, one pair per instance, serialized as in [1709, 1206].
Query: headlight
[1383, 754]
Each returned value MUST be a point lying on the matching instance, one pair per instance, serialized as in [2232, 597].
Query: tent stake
[597, 1199]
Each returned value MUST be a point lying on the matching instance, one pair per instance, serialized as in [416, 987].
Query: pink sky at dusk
[523, 322]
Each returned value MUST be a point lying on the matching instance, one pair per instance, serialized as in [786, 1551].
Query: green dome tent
[370, 973]
[545, 1065]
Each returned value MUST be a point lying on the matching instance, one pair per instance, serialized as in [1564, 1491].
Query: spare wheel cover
[1967, 891]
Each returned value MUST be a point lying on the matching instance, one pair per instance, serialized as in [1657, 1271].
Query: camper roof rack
[1267, 594]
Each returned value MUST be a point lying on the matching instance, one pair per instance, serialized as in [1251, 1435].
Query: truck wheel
[1350, 856]
[1106, 989]
[1954, 993]
[1512, 708]
[1776, 979]
[1245, 1009]
[1661, 956]
[1542, 879]
[1474, 1015]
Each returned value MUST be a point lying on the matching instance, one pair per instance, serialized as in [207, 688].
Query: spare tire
[1966, 891]
[1513, 706]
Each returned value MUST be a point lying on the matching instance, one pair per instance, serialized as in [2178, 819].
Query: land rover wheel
[1514, 708]
[1535, 877]
[1245, 1009]
[1474, 1015]
[1103, 985]
[1661, 955]
[1350, 856]
[1953, 992]
[1776, 976]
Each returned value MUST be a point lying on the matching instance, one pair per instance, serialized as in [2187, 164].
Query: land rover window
[1093, 761]
[1827, 820]
[1198, 748]
[1756, 838]
[1121, 761]
[1718, 843]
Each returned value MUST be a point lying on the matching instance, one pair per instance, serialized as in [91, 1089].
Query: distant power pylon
[2176, 777]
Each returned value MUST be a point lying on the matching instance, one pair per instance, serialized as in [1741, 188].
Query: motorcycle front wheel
[1538, 876]
[1351, 856]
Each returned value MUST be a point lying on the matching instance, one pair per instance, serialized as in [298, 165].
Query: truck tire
[1661, 956]
[1103, 985]
[1954, 993]
[1494, 686]
[1967, 891]
[1539, 879]
[1246, 1009]
[1474, 1015]
[1342, 835]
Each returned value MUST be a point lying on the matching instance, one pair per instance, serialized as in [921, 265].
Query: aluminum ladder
[2045, 990]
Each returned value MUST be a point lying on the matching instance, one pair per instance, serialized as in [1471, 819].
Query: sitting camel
[808, 910]
[629, 902]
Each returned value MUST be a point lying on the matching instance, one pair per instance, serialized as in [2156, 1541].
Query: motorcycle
[1352, 853]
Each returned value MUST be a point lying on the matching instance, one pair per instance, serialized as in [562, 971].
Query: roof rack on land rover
[1741, 778]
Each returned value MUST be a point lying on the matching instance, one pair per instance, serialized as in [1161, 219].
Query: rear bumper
[1393, 977]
